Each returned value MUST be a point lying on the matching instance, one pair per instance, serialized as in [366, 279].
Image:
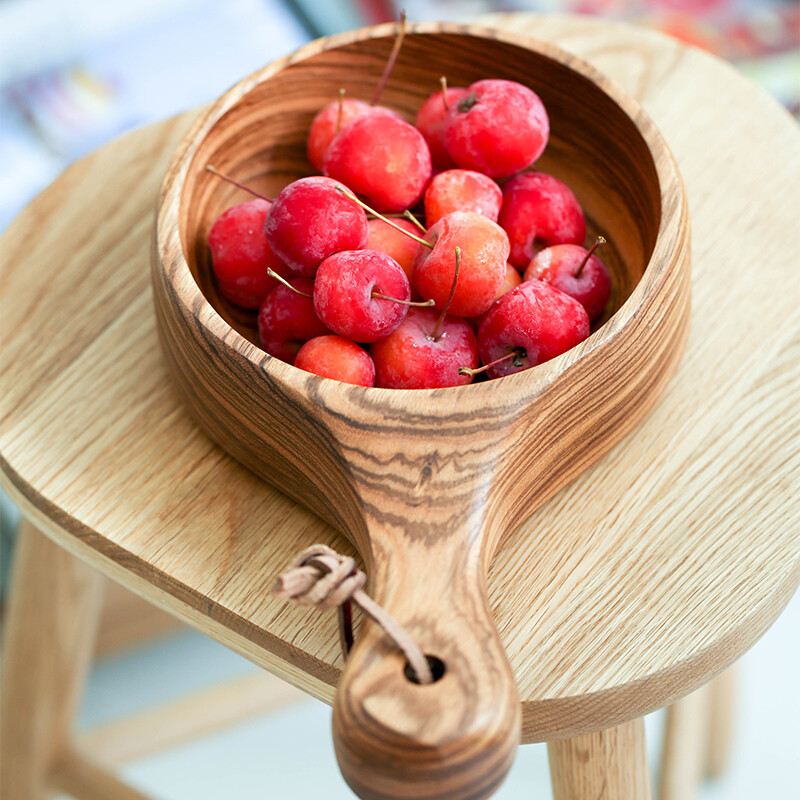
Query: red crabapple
[531, 324]
[577, 272]
[330, 119]
[240, 255]
[337, 358]
[349, 293]
[287, 319]
[311, 220]
[383, 158]
[462, 190]
[484, 253]
[499, 128]
[411, 358]
[394, 243]
[430, 122]
[539, 211]
[511, 281]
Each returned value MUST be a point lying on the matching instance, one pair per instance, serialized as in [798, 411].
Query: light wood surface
[48, 641]
[50, 633]
[697, 738]
[722, 719]
[605, 765]
[427, 483]
[686, 737]
[634, 585]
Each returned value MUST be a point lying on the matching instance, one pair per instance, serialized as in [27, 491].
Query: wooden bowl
[426, 483]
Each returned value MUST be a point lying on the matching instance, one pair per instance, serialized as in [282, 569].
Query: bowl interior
[595, 147]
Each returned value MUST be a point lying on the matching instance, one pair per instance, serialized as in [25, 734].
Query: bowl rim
[170, 260]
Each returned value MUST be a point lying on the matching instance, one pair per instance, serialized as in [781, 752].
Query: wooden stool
[631, 588]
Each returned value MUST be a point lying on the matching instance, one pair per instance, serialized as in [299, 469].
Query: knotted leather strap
[323, 578]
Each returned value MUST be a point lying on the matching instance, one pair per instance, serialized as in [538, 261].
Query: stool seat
[633, 586]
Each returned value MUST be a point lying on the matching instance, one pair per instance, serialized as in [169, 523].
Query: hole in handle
[437, 669]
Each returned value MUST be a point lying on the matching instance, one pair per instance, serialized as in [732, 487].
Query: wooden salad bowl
[426, 483]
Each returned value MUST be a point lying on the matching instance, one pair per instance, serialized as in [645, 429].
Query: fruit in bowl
[316, 228]
[426, 482]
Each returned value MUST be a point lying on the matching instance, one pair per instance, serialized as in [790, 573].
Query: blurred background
[74, 75]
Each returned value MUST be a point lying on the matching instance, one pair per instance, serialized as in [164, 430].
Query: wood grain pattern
[697, 738]
[722, 718]
[635, 584]
[427, 483]
[606, 765]
[47, 647]
[683, 755]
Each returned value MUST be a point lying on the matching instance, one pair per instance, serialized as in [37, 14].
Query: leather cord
[323, 578]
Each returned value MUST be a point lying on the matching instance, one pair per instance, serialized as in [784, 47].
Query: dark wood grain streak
[427, 483]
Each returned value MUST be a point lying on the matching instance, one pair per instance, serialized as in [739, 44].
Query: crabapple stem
[341, 111]
[387, 70]
[372, 211]
[214, 171]
[597, 242]
[443, 82]
[405, 215]
[466, 103]
[440, 321]
[408, 215]
[517, 353]
[421, 303]
[281, 279]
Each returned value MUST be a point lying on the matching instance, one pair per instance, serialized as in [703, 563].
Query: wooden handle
[454, 738]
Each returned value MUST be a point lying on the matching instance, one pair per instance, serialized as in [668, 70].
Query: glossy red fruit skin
[511, 281]
[503, 132]
[240, 255]
[408, 358]
[337, 358]
[397, 245]
[558, 266]
[286, 320]
[535, 316]
[484, 252]
[343, 294]
[324, 126]
[430, 123]
[539, 211]
[384, 159]
[311, 220]
[462, 190]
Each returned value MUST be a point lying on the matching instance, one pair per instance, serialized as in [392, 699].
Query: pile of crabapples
[350, 284]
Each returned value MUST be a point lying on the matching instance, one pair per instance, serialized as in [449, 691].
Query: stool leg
[720, 735]
[608, 765]
[49, 634]
[683, 756]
